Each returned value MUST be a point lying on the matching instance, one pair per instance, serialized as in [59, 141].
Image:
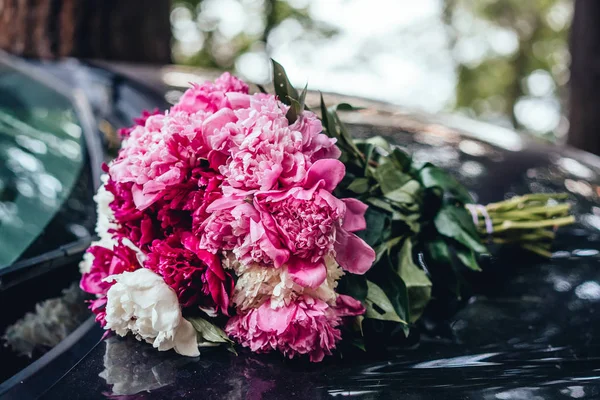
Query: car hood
[528, 331]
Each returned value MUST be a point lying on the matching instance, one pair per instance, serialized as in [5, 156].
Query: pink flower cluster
[223, 186]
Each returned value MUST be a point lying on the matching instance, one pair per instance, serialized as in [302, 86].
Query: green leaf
[378, 227]
[358, 342]
[325, 118]
[208, 334]
[283, 88]
[386, 248]
[450, 223]
[379, 306]
[302, 99]
[407, 193]
[380, 142]
[417, 283]
[357, 323]
[439, 251]
[261, 88]
[390, 177]
[382, 204]
[465, 219]
[385, 276]
[367, 149]
[468, 258]
[359, 185]
[432, 176]
[402, 159]
[347, 107]
[344, 134]
[296, 107]
[353, 285]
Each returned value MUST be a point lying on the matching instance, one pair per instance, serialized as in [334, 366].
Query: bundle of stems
[529, 221]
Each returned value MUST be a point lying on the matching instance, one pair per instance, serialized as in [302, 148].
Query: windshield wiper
[23, 270]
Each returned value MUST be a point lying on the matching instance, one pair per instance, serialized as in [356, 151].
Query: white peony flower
[257, 283]
[103, 198]
[142, 303]
[104, 223]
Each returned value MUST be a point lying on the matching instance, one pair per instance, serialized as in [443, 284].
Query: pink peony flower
[140, 121]
[195, 275]
[223, 229]
[305, 326]
[210, 96]
[301, 225]
[160, 155]
[260, 149]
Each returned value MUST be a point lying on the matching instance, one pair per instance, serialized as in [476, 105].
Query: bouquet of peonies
[246, 217]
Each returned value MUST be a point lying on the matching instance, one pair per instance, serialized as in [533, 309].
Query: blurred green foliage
[510, 57]
[220, 45]
[512, 82]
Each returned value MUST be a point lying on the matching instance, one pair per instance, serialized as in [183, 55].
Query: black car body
[527, 331]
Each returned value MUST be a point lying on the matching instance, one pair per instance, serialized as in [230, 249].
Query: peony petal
[268, 243]
[347, 306]
[225, 202]
[217, 121]
[328, 171]
[217, 291]
[275, 320]
[185, 339]
[354, 220]
[238, 100]
[352, 253]
[143, 200]
[92, 282]
[306, 273]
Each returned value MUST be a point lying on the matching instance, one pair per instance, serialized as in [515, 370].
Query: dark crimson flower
[195, 275]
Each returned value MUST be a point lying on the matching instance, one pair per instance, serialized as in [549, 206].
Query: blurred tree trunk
[584, 131]
[120, 30]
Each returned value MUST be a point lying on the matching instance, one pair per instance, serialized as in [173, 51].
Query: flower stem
[529, 221]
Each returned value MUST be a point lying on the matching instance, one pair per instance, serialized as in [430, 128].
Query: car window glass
[41, 158]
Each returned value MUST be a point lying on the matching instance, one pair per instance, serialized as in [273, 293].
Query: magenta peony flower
[305, 326]
[210, 96]
[195, 275]
[133, 224]
[98, 307]
[108, 262]
[261, 150]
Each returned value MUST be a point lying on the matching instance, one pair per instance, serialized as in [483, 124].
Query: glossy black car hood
[528, 332]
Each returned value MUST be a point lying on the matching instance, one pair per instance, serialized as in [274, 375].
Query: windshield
[41, 159]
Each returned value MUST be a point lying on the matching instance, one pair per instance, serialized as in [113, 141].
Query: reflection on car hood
[527, 333]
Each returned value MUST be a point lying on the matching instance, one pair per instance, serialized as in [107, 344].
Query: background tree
[124, 30]
[584, 107]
